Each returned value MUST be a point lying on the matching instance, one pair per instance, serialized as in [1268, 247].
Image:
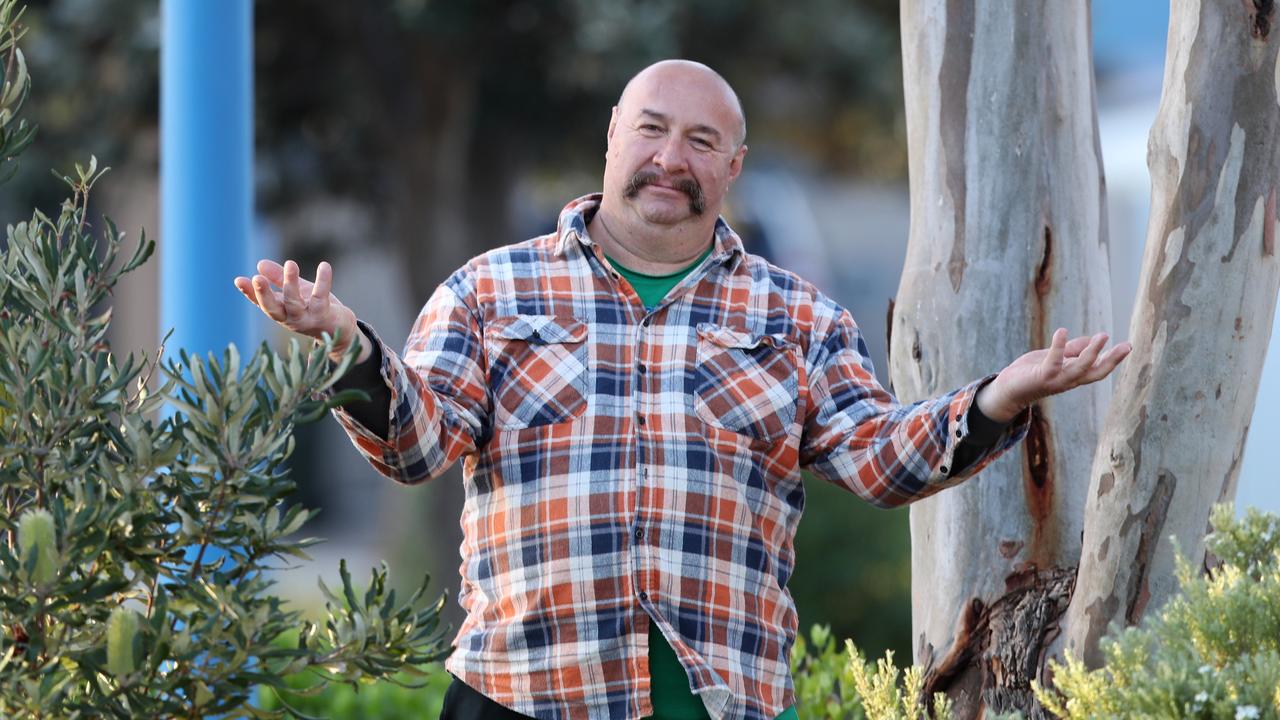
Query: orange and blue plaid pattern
[626, 467]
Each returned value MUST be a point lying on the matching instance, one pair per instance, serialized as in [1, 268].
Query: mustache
[688, 186]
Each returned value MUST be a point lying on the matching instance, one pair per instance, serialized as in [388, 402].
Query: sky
[1126, 32]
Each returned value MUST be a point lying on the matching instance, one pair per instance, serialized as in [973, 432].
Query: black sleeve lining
[367, 376]
[983, 433]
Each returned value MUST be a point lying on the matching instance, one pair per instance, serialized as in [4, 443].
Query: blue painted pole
[206, 127]
[206, 177]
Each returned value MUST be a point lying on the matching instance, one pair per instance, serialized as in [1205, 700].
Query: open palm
[305, 307]
[1063, 365]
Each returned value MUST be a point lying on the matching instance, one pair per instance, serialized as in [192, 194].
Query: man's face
[674, 147]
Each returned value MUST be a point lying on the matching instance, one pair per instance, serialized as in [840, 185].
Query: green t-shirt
[652, 288]
[672, 698]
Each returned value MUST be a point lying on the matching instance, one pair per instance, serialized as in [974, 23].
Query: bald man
[634, 397]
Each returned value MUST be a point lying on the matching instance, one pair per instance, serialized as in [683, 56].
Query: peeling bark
[1007, 243]
[1202, 319]
[953, 86]
[1000, 648]
[1151, 520]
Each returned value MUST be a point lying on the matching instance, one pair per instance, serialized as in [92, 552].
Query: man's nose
[670, 157]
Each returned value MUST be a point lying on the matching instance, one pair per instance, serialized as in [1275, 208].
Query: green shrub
[823, 678]
[1212, 651]
[405, 695]
[136, 547]
[835, 685]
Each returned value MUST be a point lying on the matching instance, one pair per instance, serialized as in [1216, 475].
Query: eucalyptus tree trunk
[1172, 442]
[1007, 243]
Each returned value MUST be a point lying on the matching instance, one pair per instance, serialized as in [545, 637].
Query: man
[633, 398]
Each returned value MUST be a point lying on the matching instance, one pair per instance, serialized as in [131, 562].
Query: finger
[245, 286]
[275, 273]
[1081, 365]
[1076, 345]
[1108, 362]
[289, 289]
[320, 290]
[1057, 346]
[267, 299]
[272, 271]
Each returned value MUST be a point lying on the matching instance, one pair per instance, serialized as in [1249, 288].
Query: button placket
[637, 392]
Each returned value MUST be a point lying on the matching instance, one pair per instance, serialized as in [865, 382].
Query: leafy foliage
[15, 85]
[846, 686]
[135, 544]
[823, 678]
[1211, 652]
[397, 697]
[881, 697]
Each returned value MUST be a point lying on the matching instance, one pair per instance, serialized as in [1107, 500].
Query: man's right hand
[302, 306]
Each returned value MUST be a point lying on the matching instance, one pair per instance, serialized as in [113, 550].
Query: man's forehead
[679, 80]
[685, 92]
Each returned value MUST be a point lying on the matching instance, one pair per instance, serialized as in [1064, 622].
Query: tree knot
[1260, 18]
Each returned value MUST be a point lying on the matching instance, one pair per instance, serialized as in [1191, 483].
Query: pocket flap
[728, 337]
[540, 329]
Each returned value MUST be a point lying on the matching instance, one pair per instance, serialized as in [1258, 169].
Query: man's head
[676, 142]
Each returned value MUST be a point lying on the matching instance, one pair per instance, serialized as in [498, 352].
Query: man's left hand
[1040, 373]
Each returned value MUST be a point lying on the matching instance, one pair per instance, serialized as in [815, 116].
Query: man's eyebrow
[696, 128]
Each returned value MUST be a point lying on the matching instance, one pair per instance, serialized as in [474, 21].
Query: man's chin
[664, 214]
[664, 211]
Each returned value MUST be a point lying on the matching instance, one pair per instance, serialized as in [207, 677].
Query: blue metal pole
[206, 121]
[206, 177]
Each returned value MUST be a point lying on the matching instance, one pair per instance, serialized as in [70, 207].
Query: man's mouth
[685, 186]
[664, 188]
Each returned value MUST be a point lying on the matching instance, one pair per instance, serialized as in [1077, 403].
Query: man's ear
[735, 165]
[613, 123]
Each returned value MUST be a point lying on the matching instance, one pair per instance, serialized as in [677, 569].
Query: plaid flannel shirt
[625, 467]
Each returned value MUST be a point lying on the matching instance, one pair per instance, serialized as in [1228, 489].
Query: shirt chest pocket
[537, 370]
[746, 382]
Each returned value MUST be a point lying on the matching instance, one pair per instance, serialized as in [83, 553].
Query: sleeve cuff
[365, 375]
[386, 370]
[967, 426]
[983, 431]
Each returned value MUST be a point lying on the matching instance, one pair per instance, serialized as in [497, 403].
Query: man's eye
[702, 143]
[650, 128]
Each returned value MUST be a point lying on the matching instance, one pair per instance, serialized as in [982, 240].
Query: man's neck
[650, 249]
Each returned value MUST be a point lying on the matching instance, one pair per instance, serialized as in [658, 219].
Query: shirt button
[640, 419]
[641, 368]
[639, 533]
[943, 469]
[958, 433]
[644, 595]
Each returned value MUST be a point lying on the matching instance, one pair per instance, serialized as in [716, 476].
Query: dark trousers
[461, 702]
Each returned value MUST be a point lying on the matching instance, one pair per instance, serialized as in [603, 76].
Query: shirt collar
[572, 226]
